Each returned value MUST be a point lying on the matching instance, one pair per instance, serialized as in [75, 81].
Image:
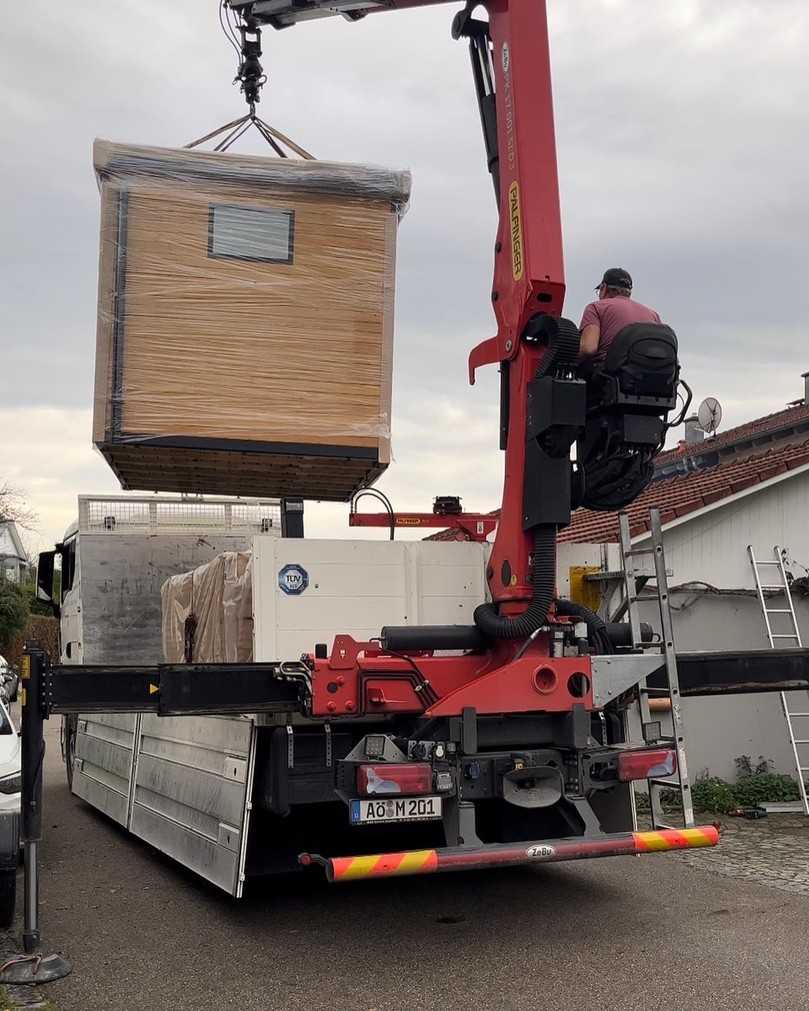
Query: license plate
[377, 811]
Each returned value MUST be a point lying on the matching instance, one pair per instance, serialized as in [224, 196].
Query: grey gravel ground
[773, 851]
[677, 931]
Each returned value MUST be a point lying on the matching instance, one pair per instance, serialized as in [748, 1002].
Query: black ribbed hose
[543, 581]
[597, 633]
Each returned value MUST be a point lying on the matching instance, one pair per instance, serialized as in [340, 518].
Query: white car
[8, 681]
[10, 757]
[10, 786]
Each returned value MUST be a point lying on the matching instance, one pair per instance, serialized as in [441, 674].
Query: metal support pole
[292, 517]
[33, 753]
[32, 967]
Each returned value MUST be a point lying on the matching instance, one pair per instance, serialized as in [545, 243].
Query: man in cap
[604, 319]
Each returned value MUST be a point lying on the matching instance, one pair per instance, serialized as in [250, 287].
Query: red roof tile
[682, 494]
[770, 423]
[686, 493]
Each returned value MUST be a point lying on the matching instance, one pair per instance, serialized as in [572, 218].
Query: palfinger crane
[501, 742]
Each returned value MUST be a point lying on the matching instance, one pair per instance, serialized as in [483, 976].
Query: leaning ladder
[791, 638]
[651, 729]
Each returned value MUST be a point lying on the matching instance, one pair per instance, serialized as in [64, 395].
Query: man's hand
[589, 340]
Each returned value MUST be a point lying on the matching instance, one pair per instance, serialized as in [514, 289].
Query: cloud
[441, 448]
[46, 453]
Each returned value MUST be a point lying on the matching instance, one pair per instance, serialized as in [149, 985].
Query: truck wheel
[8, 897]
[69, 730]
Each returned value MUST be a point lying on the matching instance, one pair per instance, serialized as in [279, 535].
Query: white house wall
[713, 548]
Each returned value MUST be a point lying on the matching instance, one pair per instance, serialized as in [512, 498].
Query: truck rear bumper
[461, 858]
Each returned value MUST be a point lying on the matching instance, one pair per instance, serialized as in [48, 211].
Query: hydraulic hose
[597, 632]
[543, 580]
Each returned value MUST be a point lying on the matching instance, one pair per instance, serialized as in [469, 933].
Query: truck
[236, 796]
[204, 789]
[427, 741]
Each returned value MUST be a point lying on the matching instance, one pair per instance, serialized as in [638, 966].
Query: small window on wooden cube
[250, 233]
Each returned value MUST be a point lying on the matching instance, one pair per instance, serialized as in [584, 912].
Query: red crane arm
[511, 63]
[511, 67]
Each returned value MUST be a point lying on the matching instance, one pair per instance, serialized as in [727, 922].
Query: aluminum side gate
[191, 792]
[103, 762]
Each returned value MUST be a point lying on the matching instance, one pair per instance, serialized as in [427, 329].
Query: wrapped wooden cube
[245, 321]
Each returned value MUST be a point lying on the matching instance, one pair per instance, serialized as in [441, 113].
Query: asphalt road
[630, 932]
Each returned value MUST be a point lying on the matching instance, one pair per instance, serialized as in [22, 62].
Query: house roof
[693, 476]
[747, 436]
[686, 493]
[10, 544]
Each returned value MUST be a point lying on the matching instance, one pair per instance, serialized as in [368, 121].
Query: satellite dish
[709, 414]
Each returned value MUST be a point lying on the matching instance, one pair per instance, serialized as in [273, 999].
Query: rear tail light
[655, 764]
[388, 779]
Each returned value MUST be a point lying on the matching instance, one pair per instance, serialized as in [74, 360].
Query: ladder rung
[793, 715]
[803, 768]
[778, 610]
[768, 561]
[769, 586]
[665, 783]
[802, 740]
[668, 828]
[784, 635]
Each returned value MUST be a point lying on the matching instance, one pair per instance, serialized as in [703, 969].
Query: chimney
[693, 433]
[805, 378]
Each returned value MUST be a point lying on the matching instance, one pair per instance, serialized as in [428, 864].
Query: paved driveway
[664, 931]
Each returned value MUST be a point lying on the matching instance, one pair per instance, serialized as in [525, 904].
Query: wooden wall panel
[225, 348]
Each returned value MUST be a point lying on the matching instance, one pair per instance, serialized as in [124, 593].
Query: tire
[69, 730]
[8, 897]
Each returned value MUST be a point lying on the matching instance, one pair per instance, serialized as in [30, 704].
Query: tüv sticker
[293, 579]
[542, 852]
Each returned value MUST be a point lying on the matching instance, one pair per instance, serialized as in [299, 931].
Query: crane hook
[250, 73]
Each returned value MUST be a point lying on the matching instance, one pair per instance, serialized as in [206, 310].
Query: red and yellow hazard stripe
[384, 865]
[675, 839]
[381, 865]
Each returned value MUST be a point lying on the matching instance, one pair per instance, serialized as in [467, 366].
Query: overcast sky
[683, 149]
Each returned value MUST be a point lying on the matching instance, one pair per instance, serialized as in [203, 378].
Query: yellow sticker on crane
[22, 696]
[25, 667]
[515, 227]
[153, 688]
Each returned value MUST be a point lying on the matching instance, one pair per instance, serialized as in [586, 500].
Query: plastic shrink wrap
[245, 321]
[208, 612]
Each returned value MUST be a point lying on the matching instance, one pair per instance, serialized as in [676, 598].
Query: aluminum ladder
[633, 570]
[790, 638]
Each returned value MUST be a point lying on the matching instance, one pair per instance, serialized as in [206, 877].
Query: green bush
[769, 786]
[755, 784]
[710, 793]
[13, 612]
[35, 605]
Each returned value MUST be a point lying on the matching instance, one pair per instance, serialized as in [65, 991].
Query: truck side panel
[192, 780]
[116, 593]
